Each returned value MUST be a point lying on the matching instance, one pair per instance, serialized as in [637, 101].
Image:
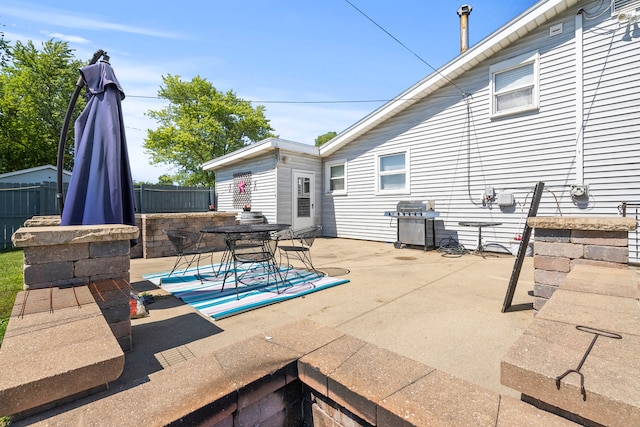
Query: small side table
[479, 224]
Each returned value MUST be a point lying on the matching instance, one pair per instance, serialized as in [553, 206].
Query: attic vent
[624, 5]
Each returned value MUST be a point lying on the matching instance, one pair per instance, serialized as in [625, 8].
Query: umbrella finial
[105, 58]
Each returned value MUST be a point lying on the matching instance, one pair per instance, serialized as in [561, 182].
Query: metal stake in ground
[596, 333]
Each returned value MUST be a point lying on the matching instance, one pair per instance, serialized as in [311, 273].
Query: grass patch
[11, 282]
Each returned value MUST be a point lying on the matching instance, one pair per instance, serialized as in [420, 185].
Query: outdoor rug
[201, 288]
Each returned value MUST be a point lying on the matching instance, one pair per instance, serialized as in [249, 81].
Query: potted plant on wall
[246, 208]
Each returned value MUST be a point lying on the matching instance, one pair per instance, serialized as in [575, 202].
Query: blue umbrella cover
[101, 189]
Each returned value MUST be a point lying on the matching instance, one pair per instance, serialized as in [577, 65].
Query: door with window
[303, 200]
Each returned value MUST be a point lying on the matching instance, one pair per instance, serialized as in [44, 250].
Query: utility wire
[308, 102]
[464, 94]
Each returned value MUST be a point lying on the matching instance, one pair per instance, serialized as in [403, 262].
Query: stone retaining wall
[152, 242]
[563, 242]
[93, 255]
[303, 373]
[155, 244]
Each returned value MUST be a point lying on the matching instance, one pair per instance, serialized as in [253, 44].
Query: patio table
[479, 250]
[234, 233]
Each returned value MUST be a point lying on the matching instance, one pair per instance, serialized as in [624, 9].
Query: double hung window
[392, 173]
[514, 85]
[336, 177]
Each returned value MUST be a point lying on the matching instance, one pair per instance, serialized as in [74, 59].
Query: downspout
[579, 99]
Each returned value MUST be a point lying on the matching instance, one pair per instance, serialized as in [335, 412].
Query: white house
[45, 173]
[552, 96]
[281, 179]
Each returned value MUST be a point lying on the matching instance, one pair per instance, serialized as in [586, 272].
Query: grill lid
[410, 206]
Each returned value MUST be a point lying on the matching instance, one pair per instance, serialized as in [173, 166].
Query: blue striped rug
[207, 296]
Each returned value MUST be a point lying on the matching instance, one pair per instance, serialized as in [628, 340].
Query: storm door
[303, 200]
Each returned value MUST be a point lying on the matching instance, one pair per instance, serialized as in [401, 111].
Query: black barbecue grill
[413, 217]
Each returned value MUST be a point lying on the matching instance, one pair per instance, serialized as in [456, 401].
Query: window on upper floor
[392, 172]
[514, 85]
[336, 177]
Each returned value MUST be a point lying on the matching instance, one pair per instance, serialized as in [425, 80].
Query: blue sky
[295, 57]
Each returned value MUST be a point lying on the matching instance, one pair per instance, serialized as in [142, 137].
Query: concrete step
[57, 345]
[592, 302]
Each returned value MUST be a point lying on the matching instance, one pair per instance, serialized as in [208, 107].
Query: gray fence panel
[172, 199]
[19, 202]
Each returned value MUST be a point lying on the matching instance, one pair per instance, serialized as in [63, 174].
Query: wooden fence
[19, 202]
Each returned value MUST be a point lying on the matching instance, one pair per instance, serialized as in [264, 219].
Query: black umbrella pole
[65, 129]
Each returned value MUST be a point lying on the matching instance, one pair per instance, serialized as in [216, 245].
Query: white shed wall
[271, 184]
[264, 190]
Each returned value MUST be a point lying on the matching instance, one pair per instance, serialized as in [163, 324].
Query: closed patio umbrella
[101, 189]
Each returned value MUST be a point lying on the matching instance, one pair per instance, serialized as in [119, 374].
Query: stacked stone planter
[93, 255]
[563, 242]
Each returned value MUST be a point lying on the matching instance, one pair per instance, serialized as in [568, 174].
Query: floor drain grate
[174, 356]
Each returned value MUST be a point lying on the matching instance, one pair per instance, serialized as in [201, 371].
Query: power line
[309, 102]
[405, 46]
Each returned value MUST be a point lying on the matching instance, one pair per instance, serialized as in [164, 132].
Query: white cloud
[72, 19]
[67, 38]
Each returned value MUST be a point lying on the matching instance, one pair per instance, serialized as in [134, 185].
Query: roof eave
[515, 29]
[257, 149]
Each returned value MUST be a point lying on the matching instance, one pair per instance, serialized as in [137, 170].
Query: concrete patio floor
[442, 311]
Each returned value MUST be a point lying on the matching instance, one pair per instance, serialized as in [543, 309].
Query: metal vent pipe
[463, 12]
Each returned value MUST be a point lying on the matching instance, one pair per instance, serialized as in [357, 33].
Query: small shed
[280, 179]
[45, 173]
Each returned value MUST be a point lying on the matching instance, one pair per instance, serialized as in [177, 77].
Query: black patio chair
[257, 250]
[298, 247]
[187, 245]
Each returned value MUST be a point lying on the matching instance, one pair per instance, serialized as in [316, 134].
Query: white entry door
[303, 200]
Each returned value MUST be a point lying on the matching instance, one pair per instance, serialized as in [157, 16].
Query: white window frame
[407, 175]
[511, 64]
[327, 174]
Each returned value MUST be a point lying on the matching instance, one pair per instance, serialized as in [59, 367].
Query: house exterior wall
[285, 199]
[35, 176]
[264, 191]
[457, 149]
[612, 118]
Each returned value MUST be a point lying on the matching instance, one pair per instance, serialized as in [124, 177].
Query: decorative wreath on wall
[242, 187]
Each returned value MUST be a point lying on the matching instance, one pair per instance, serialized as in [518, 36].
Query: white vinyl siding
[514, 85]
[285, 185]
[612, 115]
[263, 186]
[458, 148]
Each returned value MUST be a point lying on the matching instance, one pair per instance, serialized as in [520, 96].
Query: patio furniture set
[248, 247]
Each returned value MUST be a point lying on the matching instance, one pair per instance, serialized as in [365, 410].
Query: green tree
[35, 90]
[199, 124]
[325, 138]
[4, 50]
[165, 180]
